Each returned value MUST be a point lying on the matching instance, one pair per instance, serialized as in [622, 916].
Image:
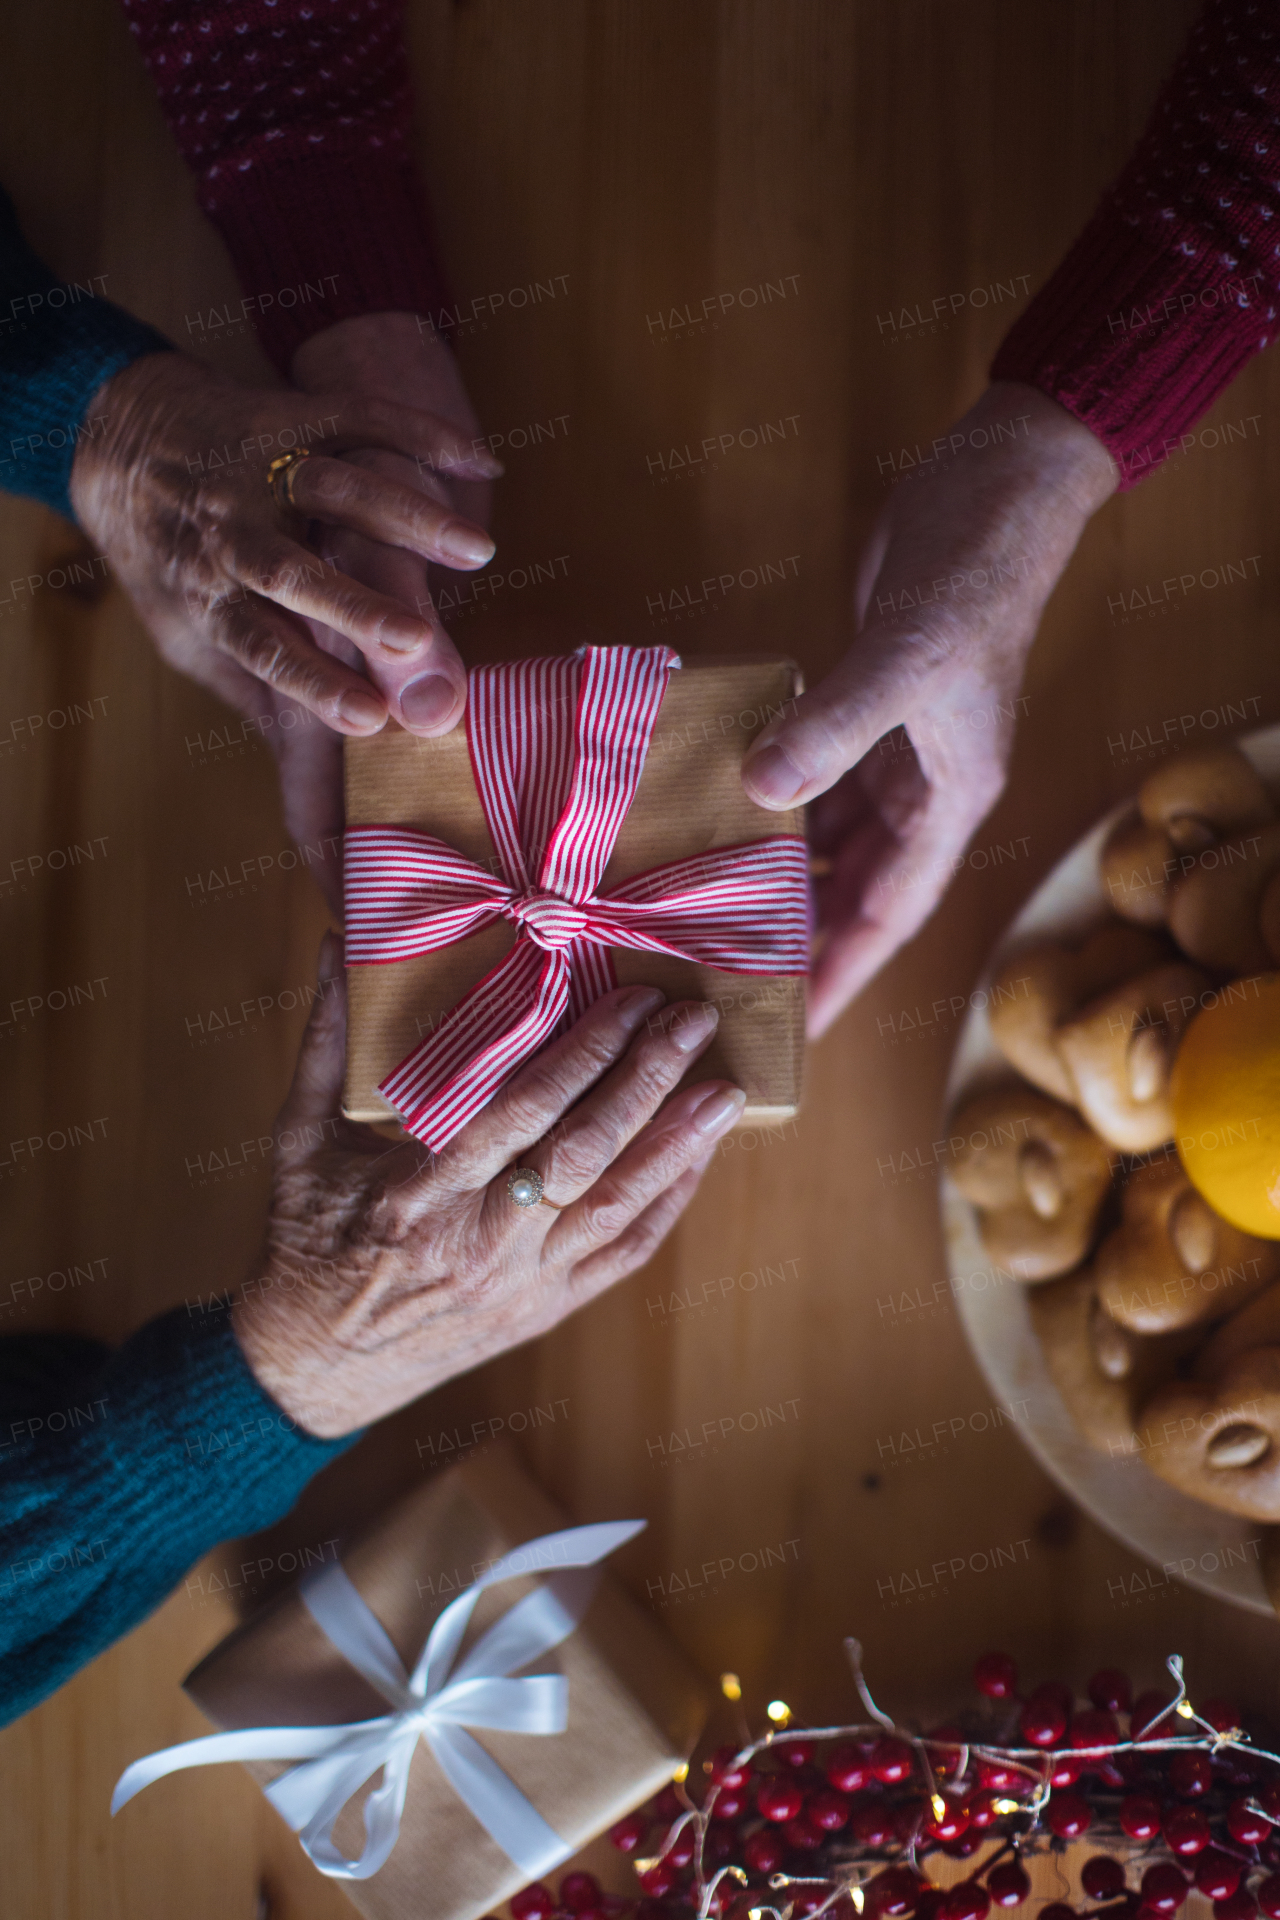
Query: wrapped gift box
[635, 1705]
[690, 799]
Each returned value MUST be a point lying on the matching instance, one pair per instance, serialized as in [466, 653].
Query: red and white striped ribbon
[557, 747]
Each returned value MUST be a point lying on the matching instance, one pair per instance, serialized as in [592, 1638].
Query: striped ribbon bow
[557, 747]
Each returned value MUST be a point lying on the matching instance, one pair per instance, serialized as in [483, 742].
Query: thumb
[868, 695]
[426, 695]
[316, 1093]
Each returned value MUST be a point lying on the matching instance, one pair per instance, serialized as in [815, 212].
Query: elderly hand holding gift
[386, 1271]
[389, 1271]
[558, 1158]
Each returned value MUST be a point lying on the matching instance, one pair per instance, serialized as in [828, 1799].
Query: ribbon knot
[447, 1692]
[550, 922]
[557, 748]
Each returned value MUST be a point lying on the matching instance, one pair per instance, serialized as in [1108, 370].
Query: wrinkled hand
[950, 593]
[174, 492]
[386, 357]
[389, 1271]
[224, 586]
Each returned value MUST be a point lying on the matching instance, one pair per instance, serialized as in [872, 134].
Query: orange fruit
[1225, 1089]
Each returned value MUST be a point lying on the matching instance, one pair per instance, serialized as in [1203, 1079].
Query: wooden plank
[638, 157]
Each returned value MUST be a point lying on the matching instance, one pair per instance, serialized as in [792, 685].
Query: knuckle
[388, 1217]
[270, 571]
[542, 1093]
[527, 1107]
[579, 1159]
[261, 651]
[668, 1160]
[277, 661]
[655, 1069]
[605, 1213]
[331, 484]
[598, 1045]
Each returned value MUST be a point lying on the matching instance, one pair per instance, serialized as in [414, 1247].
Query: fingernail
[772, 777]
[465, 543]
[404, 640]
[692, 1026]
[719, 1110]
[428, 701]
[633, 1006]
[363, 710]
[484, 465]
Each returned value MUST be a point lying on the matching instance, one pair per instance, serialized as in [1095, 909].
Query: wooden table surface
[846, 162]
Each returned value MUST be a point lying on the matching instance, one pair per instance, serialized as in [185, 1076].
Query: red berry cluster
[869, 1808]
[581, 1898]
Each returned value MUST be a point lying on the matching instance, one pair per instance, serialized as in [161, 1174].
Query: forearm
[1170, 289]
[117, 1472]
[307, 169]
[59, 345]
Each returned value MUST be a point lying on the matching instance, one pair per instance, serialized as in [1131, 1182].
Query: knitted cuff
[214, 1440]
[122, 1470]
[1135, 339]
[59, 342]
[53, 359]
[320, 240]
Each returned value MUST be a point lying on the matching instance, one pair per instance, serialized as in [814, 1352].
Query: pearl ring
[525, 1185]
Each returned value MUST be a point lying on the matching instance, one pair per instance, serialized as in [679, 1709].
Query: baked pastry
[1256, 1325]
[1137, 866]
[1226, 911]
[1044, 985]
[1119, 1050]
[1219, 1440]
[1036, 1175]
[1103, 1370]
[1193, 802]
[1172, 1262]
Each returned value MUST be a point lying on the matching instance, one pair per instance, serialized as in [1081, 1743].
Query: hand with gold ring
[389, 1270]
[280, 472]
[179, 493]
[527, 1188]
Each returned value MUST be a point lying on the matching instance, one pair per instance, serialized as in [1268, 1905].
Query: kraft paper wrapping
[690, 799]
[635, 1706]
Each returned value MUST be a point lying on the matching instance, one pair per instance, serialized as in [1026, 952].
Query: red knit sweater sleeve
[294, 117]
[1173, 284]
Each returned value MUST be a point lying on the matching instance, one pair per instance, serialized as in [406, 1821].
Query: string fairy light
[851, 1868]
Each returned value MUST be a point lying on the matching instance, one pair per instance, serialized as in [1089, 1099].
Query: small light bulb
[681, 1772]
[1006, 1806]
[779, 1712]
[1186, 1709]
[939, 1806]
[859, 1901]
[730, 1686]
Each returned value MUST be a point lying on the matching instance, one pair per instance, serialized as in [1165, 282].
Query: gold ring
[284, 469]
[524, 1184]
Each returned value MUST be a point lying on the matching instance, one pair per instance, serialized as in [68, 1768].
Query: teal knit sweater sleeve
[118, 1470]
[60, 341]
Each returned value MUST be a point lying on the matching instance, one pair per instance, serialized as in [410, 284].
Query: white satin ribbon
[434, 1703]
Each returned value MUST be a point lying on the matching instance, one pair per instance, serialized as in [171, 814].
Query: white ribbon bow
[434, 1704]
